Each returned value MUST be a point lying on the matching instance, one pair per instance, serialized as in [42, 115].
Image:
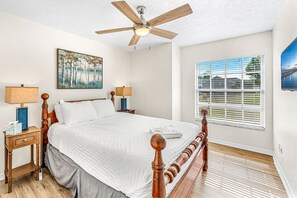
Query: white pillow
[59, 113]
[103, 108]
[77, 112]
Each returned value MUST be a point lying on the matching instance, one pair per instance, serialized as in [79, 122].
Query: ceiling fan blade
[134, 40]
[127, 11]
[113, 30]
[171, 15]
[163, 33]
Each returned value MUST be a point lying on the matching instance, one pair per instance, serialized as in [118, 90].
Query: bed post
[158, 143]
[44, 124]
[112, 93]
[205, 142]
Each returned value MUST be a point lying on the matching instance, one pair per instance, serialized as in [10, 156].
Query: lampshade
[124, 91]
[21, 95]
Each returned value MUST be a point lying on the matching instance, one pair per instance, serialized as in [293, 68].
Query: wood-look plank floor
[236, 173]
[232, 173]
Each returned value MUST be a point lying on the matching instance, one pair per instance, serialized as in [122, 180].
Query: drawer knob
[25, 140]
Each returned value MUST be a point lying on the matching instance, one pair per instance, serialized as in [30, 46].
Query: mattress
[116, 150]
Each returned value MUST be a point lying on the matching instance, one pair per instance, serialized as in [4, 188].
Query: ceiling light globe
[142, 31]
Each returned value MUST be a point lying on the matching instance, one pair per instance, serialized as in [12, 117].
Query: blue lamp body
[123, 104]
[22, 117]
[123, 91]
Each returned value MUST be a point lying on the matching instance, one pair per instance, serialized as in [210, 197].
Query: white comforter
[116, 149]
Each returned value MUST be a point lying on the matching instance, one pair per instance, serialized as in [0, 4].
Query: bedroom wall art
[289, 67]
[79, 71]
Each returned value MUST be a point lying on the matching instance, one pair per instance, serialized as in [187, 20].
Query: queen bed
[117, 156]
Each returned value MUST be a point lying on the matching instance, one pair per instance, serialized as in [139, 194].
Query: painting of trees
[79, 71]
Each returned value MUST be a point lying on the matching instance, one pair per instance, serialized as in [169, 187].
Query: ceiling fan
[142, 27]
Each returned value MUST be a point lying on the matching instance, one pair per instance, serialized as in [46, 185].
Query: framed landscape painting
[79, 71]
[289, 67]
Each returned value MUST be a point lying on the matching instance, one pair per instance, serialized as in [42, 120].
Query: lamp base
[22, 117]
[123, 104]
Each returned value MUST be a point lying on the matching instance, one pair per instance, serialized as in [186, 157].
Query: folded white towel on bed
[167, 132]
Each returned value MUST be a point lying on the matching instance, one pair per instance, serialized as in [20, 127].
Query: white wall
[156, 81]
[284, 102]
[28, 56]
[257, 44]
[151, 81]
[176, 83]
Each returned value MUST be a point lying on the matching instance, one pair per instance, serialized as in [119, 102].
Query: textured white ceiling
[211, 19]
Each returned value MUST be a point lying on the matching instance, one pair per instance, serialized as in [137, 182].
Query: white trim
[2, 176]
[283, 177]
[242, 146]
[233, 124]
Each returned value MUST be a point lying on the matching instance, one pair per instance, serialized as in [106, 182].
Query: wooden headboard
[50, 118]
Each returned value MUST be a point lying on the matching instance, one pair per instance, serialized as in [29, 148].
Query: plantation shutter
[232, 90]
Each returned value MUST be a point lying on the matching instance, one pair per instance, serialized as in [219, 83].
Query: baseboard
[283, 177]
[242, 146]
[2, 176]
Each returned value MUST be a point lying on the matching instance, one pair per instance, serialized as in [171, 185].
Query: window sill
[232, 124]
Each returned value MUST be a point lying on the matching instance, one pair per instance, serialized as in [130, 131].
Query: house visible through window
[232, 90]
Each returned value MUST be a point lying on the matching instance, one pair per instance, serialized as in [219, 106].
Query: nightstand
[26, 138]
[132, 111]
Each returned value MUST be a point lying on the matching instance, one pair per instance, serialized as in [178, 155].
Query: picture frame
[289, 67]
[78, 71]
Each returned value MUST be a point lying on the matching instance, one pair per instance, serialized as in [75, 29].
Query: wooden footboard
[162, 177]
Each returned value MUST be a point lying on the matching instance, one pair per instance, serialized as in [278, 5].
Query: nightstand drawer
[24, 140]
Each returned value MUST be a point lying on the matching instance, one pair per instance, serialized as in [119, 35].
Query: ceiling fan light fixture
[142, 30]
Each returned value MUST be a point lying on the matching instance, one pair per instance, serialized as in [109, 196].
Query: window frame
[224, 105]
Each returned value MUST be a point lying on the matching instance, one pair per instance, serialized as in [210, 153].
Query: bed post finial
[158, 142]
[204, 112]
[44, 124]
[112, 93]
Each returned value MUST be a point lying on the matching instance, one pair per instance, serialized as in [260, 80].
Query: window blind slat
[218, 97]
[204, 96]
[252, 98]
[252, 64]
[234, 97]
[217, 67]
[203, 68]
[204, 82]
[234, 115]
[252, 117]
[217, 113]
[218, 82]
[234, 81]
[252, 81]
[234, 65]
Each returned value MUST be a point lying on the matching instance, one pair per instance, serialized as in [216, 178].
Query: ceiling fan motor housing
[141, 9]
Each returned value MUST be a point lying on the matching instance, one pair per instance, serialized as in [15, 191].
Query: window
[232, 91]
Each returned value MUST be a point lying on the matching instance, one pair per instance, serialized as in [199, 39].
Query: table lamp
[123, 91]
[21, 95]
